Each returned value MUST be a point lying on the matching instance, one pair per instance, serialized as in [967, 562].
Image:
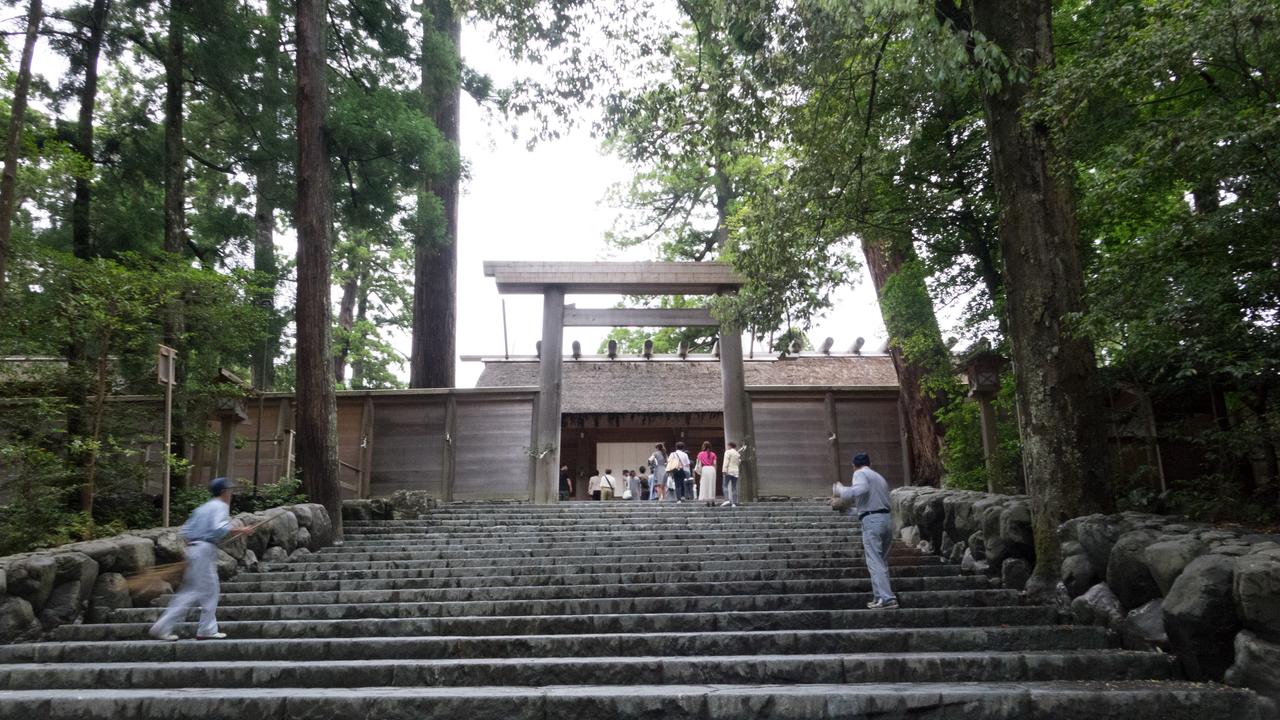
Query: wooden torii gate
[554, 280]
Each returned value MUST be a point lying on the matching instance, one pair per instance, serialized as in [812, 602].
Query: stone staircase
[605, 610]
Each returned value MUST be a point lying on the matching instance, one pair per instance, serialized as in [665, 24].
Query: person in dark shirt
[566, 483]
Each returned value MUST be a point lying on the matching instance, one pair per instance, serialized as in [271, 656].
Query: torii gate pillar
[546, 473]
[736, 427]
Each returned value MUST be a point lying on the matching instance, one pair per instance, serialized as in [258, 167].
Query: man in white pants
[206, 527]
[870, 493]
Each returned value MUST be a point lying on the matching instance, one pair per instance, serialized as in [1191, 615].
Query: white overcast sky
[520, 204]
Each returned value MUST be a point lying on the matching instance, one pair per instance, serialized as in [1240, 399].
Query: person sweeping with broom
[207, 526]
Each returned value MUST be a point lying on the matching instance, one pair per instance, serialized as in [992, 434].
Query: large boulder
[321, 526]
[997, 548]
[1097, 534]
[227, 566]
[110, 593]
[1127, 571]
[304, 538]
[1256, 666]
[1257, 594]
[910, 535]
[1017, 530]
[1167, 558]
[249, 561]
[1143, 627]
[1200, 617]
[64, 605]
[274, 554]
[170, 547]
[1078, 574]
[284, 528]
[78, 568]
[1098, 606]
[103, 551]
[17, 621]
[258, 540]
[31, 577]
[133, 553]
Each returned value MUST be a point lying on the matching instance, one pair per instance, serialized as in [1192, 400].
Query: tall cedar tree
[1059, 412]
[316, 413]
[435, 283]
[8, 181]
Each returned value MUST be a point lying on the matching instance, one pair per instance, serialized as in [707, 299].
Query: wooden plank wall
[870, 425]
[491, 448]
[408, 445]
[794, 454]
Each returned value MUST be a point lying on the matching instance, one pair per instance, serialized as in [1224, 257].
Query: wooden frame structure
[553, 280]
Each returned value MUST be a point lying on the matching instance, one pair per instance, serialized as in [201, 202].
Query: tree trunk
[435, 283]
[267, 268]
[9, 180]
[346, 319]
[885, 259]
[362, 314]
[81, 232]
[317, 446]
[1059, 410]
[175, 169]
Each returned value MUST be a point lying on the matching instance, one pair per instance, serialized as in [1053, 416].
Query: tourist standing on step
[681, 472]
[658, 471]
[732, 464]
[637, 484]
[608, 484]
[593, 485]
[870, 494]
[707, 474]
[207, 526]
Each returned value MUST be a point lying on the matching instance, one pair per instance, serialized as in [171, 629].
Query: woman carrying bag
[658, 471]
[707, 475]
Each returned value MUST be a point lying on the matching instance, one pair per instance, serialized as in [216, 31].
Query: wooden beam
[629, 317]
[833, 436]
[550, 379]
[613, 278]
[449, 463]
[366, 447]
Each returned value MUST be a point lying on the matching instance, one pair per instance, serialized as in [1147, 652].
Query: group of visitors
[664, 477]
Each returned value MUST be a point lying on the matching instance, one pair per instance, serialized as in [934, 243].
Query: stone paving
[605, 610]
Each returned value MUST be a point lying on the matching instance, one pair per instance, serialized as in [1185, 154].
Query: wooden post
[366, 447]
[226, 448]
[734, 390]
[550, 377]
[166, 374]
[990, 442]
[908, 478]
[449, 461]
[833, 437]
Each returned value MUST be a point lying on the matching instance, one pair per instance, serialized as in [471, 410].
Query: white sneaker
[215, 636]
[726, 503]
[167, 637]
[890, 604]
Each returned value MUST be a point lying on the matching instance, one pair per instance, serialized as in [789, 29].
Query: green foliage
[962, 452]
[285, 491]
[37, 487]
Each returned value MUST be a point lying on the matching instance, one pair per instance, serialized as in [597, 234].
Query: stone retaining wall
[1208, 594]
[85, 581]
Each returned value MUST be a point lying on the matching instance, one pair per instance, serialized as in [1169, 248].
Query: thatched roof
[650, 386]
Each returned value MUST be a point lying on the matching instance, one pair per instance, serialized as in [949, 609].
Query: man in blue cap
[870, 495]
[207, 526]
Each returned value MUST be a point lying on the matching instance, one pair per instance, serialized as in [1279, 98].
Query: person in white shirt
[593, 485]
[732, 465]
[681, 474]
[608, 484]
[869, 492]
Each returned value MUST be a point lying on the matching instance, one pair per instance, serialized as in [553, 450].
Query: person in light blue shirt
[870, 494]
[207, 526]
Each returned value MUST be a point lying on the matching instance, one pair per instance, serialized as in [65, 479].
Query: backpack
[673, 462]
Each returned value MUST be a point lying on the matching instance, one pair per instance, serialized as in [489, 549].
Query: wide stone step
[364, 594]
[474, 528]
[606, 550]
[607, 623]
[718, 669]
[573, 539]
[390, 580]
[575, 605]
[307, 563]
[1135, 700]
[289, 572]
[764, 642]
